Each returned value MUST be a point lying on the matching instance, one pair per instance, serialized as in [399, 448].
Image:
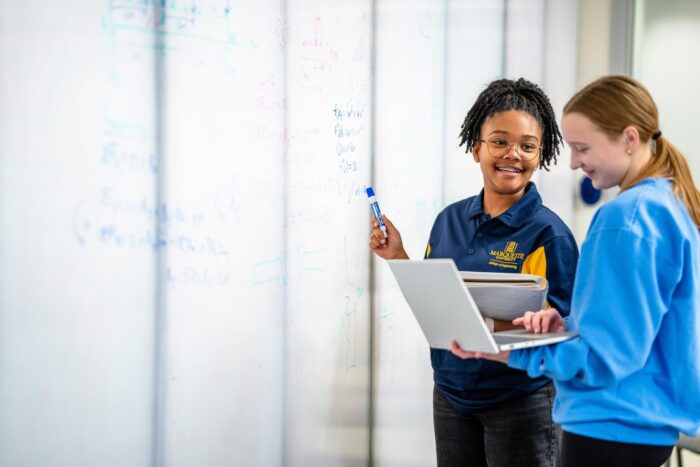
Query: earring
[629, 152]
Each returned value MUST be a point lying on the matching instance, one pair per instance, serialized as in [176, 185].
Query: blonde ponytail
[670, 163]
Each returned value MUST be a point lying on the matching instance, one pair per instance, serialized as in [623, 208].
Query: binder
[506, 296]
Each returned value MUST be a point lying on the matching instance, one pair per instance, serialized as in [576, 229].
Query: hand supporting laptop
[537, 322]
[464, 354]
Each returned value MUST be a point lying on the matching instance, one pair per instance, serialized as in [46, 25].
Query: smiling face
[509, 174]
[603, 159]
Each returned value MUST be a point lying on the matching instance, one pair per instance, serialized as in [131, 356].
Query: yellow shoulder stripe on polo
[536, 263]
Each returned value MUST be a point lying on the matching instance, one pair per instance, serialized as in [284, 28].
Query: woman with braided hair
[630, 382]
[485, 413]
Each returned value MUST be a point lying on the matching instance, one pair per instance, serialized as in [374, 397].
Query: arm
[618, 310]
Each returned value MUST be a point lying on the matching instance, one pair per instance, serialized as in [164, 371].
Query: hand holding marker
[375, 208]
[380, 243]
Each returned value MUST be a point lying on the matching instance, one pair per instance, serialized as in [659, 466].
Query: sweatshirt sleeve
[623, 289]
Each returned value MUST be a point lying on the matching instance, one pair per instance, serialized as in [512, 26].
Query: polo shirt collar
[517, 215]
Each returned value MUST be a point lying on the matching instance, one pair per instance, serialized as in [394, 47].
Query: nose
[575, 162]
[512, 151]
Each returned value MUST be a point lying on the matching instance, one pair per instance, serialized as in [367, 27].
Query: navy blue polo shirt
[527, 238]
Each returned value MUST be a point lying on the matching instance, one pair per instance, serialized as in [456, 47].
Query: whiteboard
[327, 296]
[223, 274]
[77, 258]
[184, 271]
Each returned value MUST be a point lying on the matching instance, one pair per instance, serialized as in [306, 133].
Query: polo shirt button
[471, 252]
[479, 235]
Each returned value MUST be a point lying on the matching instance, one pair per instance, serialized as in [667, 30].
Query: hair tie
[654, 137]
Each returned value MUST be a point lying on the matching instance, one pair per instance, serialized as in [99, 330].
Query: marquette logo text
[508, 258]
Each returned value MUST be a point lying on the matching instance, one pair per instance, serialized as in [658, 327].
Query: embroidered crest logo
[508, 258]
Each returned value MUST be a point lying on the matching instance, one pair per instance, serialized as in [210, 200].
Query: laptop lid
[446, 311]
[442, 305]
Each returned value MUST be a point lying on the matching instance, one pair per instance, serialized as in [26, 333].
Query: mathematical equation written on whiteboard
[349, 124]
[126, 221]
[206, 20]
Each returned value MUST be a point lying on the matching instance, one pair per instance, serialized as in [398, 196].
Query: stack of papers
[506, 296]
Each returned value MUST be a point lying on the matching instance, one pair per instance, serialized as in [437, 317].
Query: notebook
[446, 311]
[504, 295]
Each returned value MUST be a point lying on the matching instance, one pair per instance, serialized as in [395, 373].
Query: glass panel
[666, 36]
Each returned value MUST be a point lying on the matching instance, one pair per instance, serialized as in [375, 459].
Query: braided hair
[504, 94]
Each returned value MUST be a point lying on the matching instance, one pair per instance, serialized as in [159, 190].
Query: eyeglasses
[527, 150]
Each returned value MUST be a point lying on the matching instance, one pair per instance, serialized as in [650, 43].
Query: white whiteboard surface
[184, 271]
[223, 297]
[327, 300]
[409, 143]
[77, 266]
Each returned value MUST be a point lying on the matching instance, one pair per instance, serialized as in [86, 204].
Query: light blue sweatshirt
[633, 373]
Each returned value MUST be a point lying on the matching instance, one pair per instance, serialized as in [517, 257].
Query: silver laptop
[446, 311]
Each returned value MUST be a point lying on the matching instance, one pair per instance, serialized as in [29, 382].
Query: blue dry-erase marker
[375, 208]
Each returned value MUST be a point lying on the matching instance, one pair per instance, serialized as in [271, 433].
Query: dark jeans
[514, 433]
[582, 451]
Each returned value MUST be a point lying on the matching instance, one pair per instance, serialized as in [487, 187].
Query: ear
[630, 137]
[475, 152]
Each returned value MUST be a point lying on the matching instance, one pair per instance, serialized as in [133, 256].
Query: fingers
[376, 238]
[391, 230]
[557, 323]
[374, 244]
[526, 321]
[531, 321]
[551, 320]
[463, 354]
[389, 247]
[537, 322]
[541, 321]
[546, 322]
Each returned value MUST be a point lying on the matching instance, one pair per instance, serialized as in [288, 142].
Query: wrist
[401, 255]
